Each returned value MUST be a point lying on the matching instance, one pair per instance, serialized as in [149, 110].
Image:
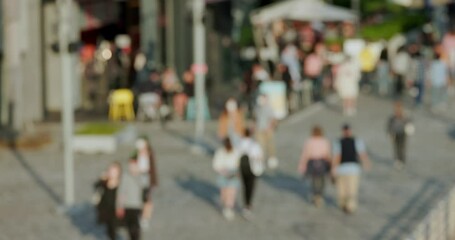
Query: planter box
[104, 144]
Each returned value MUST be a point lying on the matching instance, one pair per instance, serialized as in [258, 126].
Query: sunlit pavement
[391, 202]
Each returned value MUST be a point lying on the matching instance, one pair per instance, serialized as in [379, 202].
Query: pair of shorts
[226, 182]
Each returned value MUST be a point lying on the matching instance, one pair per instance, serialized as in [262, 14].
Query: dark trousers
[132, 223]
[400, 147]
[111, 227]
[420, 88]
[249, 181]
[399, 86]
[317, 184]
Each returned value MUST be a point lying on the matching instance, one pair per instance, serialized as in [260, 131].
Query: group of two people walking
[343, 161]
[242, 154]
[125, 197]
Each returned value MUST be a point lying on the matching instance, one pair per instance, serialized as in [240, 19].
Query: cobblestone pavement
[391, 202]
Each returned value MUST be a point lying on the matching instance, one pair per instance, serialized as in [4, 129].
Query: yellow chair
[121, 105]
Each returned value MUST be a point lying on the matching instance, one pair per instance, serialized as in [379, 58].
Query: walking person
[347, 85]
[315, 163]
[383, 76]
[146, 165]
[417, 76]
[400, 67]
[350, 156]
[107, 186]
[251, 167]
[439, 81]
[398, 127]
[130, 199]
[226, 164]
[266, 123]
[231, 123]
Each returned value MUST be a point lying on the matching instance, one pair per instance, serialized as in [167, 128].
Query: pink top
[316, 148]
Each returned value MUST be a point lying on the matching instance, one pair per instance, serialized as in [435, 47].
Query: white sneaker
[273, 163]
[228, 214]
[144, 223]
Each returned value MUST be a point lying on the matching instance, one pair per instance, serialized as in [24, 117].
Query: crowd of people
[248, 147]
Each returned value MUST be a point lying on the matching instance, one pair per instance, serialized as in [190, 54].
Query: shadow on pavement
[83, 217]
[284, 182]
[402, 223]
[202, 189]
[451, 132]
[190, 140]
[37, 178]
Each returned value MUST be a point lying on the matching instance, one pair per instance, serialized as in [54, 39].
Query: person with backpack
[315, 163]
[251, 167]
[399, 127]
[130, 200]
[350, 156]
[226, 164]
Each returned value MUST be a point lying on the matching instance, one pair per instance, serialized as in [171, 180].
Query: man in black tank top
[349, 157]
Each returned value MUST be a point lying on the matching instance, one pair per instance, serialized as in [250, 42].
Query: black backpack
[245, 167]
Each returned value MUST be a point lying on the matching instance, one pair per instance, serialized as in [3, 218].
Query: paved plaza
[391, 202]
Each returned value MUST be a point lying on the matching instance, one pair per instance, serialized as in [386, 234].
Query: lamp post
[64, 9]
[199, 67]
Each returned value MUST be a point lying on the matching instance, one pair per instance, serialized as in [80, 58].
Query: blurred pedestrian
[107, 186]
[313, 67]
[398, 127]
[383, 74]
[315, 163]
[417, 76]
[226, 164]
[266, 123]
[130, 202]
[367, 65]
[171, 86]
[347, 85]
[439, 81]
[146, 165]
[231, 123]
[448, 45]
[350, 156]
[283, 74]
[400, 67]
[251, 167]
[290, 58]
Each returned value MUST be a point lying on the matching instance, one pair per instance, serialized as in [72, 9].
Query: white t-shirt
[143, 163]
[226, 161]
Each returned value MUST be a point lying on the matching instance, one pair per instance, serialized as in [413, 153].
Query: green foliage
[388, 29]
[99, 129]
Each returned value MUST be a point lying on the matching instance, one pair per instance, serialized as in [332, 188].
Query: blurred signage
[97, 13]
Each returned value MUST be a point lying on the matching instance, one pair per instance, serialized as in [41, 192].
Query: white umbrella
[302, 10]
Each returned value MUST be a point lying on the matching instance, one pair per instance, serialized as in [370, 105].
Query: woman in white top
[347, 84]
[226, 164]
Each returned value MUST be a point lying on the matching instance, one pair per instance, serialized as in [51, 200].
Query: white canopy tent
[301, 10]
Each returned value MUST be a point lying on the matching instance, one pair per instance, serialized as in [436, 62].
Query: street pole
[170, 36]
[199, 65]
[64, 7]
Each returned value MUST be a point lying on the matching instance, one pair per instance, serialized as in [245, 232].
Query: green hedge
[99, 129]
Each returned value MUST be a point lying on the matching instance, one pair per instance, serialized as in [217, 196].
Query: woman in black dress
[107, 187]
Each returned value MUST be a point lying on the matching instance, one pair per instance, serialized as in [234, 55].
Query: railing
[439, 223]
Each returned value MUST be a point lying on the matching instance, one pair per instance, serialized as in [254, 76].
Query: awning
[302, 10]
